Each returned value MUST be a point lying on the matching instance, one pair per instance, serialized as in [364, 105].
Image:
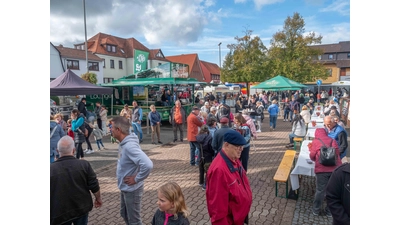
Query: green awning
[152, 81]
[279, 83]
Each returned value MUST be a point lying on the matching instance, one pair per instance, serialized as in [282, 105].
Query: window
[104, 63]
[107, 80]
[348, 55]
[111, 48]
[111, 63]
[94, 66]
[319, 57]
[159, 64]
[330, 72]
[120, 64]
[330, 56]
[73, 64]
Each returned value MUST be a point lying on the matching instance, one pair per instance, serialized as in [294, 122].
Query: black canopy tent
[69, 83]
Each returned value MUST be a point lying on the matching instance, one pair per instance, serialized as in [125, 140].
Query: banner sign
[140, 61]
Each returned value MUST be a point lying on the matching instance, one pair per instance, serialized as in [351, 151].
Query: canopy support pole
[112, 103]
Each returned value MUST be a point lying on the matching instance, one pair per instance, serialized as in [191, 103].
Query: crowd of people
[219, 145]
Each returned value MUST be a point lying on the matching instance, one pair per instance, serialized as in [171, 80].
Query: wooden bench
[299, 140]
[283, 172]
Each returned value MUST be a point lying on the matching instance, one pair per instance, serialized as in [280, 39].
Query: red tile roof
[209, 69]
[153, 55]
[193, 61]
[97, 44]
[76, 53]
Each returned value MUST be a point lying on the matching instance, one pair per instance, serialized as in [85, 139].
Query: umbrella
[279, 83]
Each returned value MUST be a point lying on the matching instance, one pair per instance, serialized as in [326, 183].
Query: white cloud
[178, 21]
[260, 3]
[240, 1]
[340, 6]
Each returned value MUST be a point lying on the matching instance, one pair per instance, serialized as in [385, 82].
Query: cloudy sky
[194, 26]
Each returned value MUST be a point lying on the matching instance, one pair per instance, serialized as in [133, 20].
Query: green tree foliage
[246, 60]
[90, 77]
[290, 54]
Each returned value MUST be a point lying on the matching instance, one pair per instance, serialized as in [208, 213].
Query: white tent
[340, 83]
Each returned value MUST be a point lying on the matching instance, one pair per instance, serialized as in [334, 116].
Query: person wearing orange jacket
[193, 125]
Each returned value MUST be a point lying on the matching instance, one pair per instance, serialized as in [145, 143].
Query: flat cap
[234, 137]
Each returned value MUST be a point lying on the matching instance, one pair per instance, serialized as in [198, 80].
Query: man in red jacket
[228, 191]
[193, 125]
[322, 173]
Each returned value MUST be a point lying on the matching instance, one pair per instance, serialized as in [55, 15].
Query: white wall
[82, 68]
[55, 63]
[115, 73]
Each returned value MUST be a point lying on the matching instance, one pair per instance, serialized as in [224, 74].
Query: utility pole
[86, 51]
[219, 45]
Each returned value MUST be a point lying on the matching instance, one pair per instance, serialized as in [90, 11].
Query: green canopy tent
[279, 83]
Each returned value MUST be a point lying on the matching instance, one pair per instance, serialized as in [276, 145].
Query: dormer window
[111, 48]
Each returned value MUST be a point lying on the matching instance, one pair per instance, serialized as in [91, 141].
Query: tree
[290, 54]
[246, 61]
[90, 77]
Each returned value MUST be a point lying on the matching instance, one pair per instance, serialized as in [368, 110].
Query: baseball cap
[224, 120]
[195, 108]
[234, 137]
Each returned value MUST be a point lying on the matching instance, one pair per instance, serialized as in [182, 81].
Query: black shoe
[140, 141]
[159, 142]
[174, 140]
[153, 143]
[181, 140]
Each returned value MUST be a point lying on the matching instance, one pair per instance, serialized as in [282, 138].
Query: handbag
[327, 156]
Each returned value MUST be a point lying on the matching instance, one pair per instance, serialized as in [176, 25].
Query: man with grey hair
[71, 181]
[133, 167]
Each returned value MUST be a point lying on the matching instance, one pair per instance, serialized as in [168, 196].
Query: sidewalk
[171, 163]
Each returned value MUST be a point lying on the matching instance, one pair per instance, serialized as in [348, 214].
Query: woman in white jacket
[298, 130]
[305, 113]
[103, 116]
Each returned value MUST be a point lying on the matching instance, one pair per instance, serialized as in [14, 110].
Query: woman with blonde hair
[305, 113]
[155, 121]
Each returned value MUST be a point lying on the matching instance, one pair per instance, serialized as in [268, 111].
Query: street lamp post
[219, 46]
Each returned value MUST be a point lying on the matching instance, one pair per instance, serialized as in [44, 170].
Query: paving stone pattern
[171, 163]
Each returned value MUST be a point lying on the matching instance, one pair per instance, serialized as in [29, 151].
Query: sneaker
[153, 143]
[86, 150]
[174, 140]
[181, 140]
[289, 146]
[89, 152]
[159, 142]
[314, 213]
[103, 148]
[270, 128]
[328, 213]
[140, 141]
[203, 187]
[98, 149]
[273, 129]
[258, 131]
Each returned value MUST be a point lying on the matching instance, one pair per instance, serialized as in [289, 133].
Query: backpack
[327, 156]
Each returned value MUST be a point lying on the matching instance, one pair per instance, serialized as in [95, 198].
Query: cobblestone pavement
[171, 163]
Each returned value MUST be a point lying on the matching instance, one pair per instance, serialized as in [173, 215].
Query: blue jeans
[83, 220]
[272, 120]
[286, 114]
[99, 142]
[193, 146]
[291, 115]
[131, 203]
[292, 136]
[138, 130]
